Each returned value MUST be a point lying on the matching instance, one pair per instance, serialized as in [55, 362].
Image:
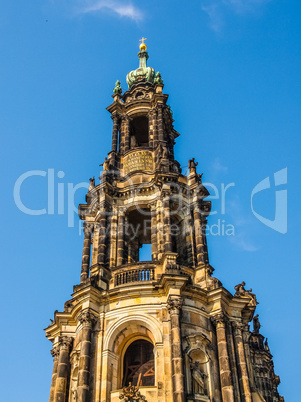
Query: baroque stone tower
[163, 329]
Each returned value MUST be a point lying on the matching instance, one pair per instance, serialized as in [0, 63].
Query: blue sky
[232, 69]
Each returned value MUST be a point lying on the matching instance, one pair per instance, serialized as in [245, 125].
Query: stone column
[55, 354]
[115, 133]
[155, 128]
[113, 240]
[223, 358]
[86, 252]
[154, 233]
[189, 239]
[203, 231]
[160, 123]
[122, 135]
[233, 363]
[166, 221]
[87, 320]
[241, 360]
[101, 252]
[174, 306]
[126, 128]
[160, 227]
[120, 241]
[198, 235]
[151, 129]
[65, 343]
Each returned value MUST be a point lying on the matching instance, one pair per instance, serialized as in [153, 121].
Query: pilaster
[87, 320]
[219, 321]
[174, 306]
[63, 369]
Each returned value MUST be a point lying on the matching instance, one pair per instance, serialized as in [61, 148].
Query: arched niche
[198, 367]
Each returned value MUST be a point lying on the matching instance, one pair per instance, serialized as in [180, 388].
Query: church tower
[163, 329]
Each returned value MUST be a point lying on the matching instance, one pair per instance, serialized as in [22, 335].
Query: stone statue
[266, 346]
[200, 177]
[164, 153]
[117, 89]
[92, 183]
[256, 324]
[241, 291]
[198, 379]
[106, 164]
[133, 141]
[192, 165]
[158, 79]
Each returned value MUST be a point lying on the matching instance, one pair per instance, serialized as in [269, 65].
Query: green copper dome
[142, 73]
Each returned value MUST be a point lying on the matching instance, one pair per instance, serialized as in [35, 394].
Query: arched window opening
[139, 132]
[145, 252]
[138, 233]
[138, 364]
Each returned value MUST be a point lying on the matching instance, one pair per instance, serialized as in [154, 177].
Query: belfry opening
[139, 132]
[161, 328]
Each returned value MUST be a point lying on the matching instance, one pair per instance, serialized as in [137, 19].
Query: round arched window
[138, 364]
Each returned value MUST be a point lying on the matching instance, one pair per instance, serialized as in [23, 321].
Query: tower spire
[142, 73]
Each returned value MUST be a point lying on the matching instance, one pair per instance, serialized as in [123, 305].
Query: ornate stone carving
[198, 378]
[117, 89]
[219, 319]
[192, 165]
[238, 327]
[256, 324]
[88, 227]
[158, 79]
[55, 352]
[131, 394]
[65, 342]
[87, 318]
[174, 304]
[74, 358]
[92, 183]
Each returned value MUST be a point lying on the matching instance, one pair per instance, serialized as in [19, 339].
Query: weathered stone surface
[199, 344]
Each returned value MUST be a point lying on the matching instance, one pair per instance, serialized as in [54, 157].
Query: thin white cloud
[218, 167]
[121, 8]
[242, 243]
[214, 14]
[216, 9]
[244, 6]
[241, 221]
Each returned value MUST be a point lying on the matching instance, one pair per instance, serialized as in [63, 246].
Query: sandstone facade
[163, 329]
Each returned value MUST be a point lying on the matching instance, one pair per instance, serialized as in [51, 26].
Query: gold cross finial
[142, 45]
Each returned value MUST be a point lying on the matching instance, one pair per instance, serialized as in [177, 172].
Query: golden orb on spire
[142, 45]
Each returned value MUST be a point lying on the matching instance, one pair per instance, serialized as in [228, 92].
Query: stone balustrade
[143, 273]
